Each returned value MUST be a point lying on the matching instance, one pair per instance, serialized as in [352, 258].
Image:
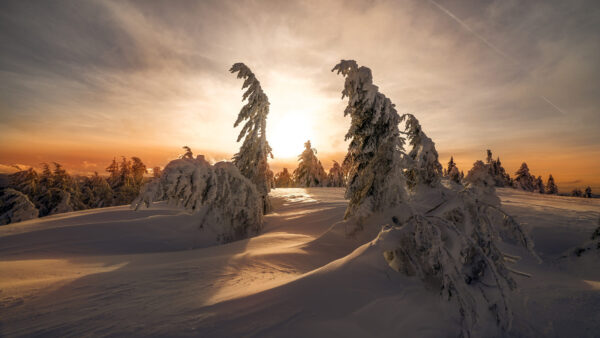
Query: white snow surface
[115, 271]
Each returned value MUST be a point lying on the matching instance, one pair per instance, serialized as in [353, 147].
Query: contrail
[490, 45]
[481, 38]
[552, 104]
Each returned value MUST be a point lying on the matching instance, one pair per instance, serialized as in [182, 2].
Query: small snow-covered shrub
[221, 197]
[15, 207]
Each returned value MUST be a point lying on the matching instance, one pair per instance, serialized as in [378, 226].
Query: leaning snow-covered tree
[252, 156]
[424, 167]
[375, 178]
[335, 177]
[224, 200]
[310, 172]
[445, 236]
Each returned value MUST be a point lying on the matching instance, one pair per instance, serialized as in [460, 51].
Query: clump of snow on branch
[221, 197]
[15, 207]
[375, 177]
[252, 156]
[310, 172]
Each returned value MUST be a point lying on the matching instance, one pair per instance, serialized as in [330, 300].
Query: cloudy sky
[84, 81]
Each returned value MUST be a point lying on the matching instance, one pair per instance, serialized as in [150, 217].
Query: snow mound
[219, 196]
[15, 207]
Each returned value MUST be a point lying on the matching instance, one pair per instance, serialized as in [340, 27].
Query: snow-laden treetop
[255, 111]
[252, 157]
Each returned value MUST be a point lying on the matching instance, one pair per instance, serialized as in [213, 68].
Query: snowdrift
[115, 271]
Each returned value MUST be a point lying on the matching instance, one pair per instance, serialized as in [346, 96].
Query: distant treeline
[522, 180]
[28, 193]
[310, 173]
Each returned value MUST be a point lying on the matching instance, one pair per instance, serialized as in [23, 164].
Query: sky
[82, 82]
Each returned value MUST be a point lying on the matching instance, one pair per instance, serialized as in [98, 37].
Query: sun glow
[288, 133]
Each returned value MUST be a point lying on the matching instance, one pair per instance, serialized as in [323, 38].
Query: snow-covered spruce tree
[375, 178]
[448, 242]
[15, 207]
[451, 164]
[524, 180]
[57, 192]
[222, 198]
[283, 179]
[253, 154]
[588, 192]
[496, 170]
[551, 187]
[96, 192]
[424, 167]
[454, 175]
[539, 185]
[26, 182]
[335, 177]
[310, 172]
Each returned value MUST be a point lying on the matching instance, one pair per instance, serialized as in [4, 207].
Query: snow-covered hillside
[115, 271]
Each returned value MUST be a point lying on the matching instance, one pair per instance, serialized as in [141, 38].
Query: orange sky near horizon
[83, 82]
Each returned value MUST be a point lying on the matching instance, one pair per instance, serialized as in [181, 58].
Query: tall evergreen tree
[335, 177]
[551, 187]
[113, 171]
[424, 167]
[451, 165]
[524, 180]
[138, 169]
[310, 172]
[253, 154]
[375, 179]
[539, 185]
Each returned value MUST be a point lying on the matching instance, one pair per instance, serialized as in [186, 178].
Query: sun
[288, 133]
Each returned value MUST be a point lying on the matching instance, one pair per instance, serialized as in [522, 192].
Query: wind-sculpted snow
[219, 195]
